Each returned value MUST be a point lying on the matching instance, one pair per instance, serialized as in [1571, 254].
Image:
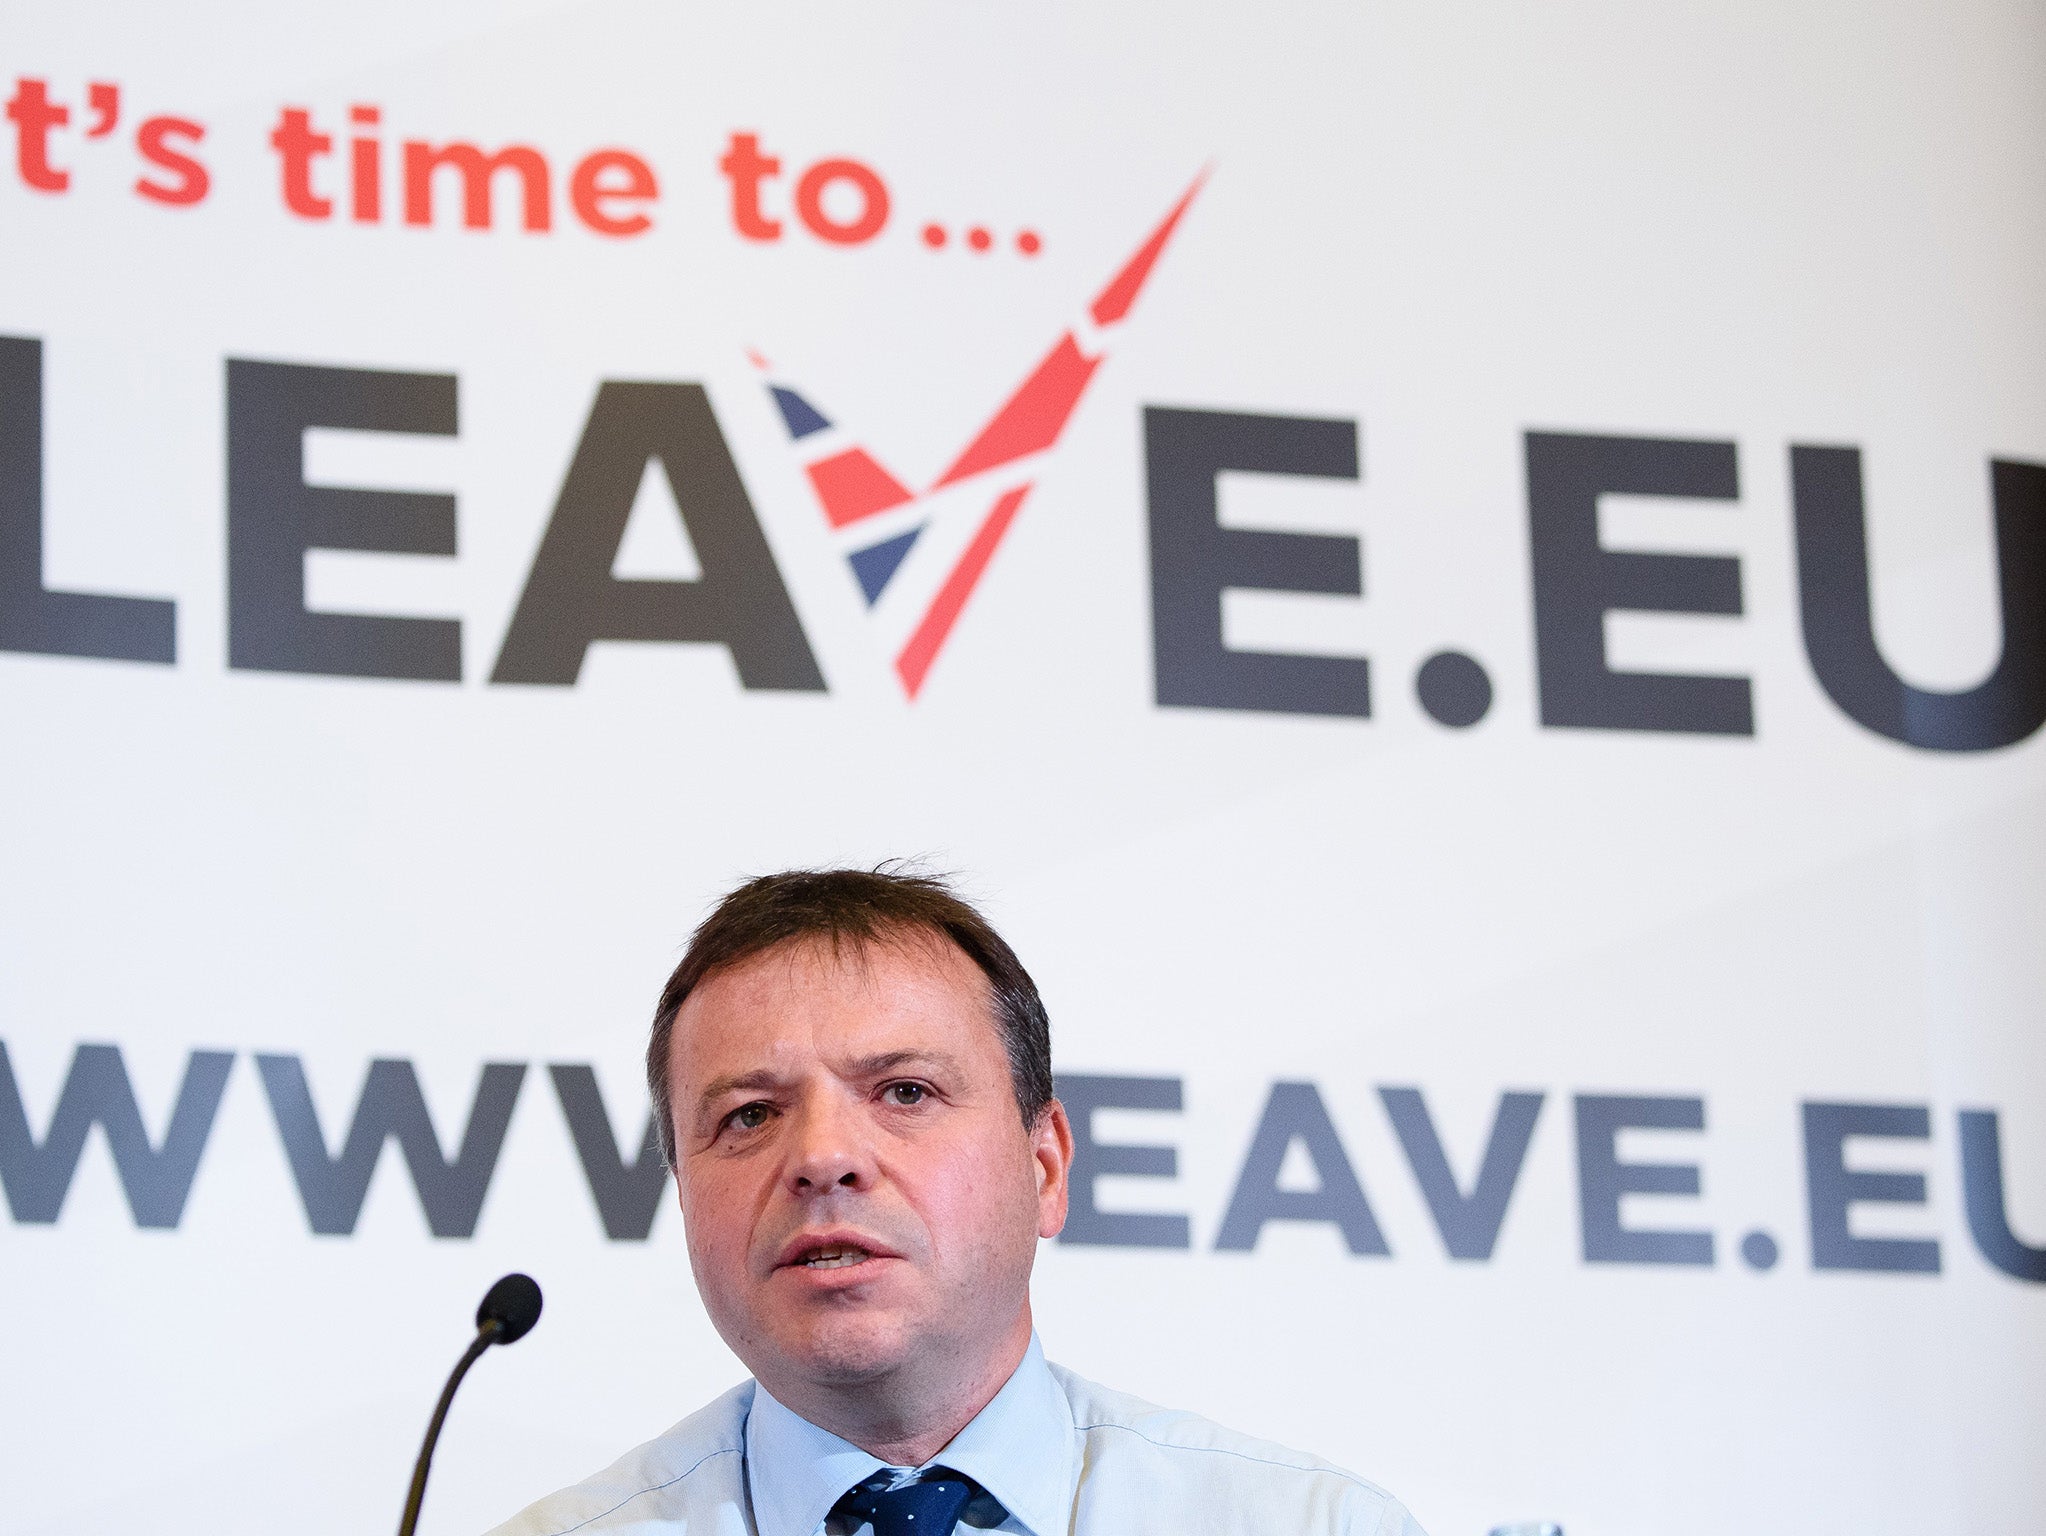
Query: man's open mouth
[845, 1247]
[834, 1258]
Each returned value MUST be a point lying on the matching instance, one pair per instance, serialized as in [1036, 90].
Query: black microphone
[509, 1310]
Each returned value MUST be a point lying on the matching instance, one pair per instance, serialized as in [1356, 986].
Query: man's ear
[1051, 1149]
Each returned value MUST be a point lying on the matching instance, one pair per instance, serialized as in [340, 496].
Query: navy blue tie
[925, 1505]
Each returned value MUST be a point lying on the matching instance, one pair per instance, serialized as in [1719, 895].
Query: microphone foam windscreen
[515, 1303]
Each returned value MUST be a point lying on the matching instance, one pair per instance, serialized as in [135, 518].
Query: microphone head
[514, 1305]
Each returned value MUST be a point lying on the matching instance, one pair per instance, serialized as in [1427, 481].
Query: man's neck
[906, 1418]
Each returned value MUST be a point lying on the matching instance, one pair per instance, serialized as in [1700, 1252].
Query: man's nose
[829, 1151]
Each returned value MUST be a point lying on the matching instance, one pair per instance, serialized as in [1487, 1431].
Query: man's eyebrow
[758, 1080]
[895, 1061]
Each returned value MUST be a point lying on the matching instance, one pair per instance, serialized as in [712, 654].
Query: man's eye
[906, 1093]
[748, 1117]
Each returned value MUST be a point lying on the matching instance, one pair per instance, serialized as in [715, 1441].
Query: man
[852, 1076]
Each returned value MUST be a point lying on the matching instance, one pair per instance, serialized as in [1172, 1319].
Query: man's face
[860, 1191]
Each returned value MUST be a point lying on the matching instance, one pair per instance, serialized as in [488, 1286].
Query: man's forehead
[854, 961]
[899, 972]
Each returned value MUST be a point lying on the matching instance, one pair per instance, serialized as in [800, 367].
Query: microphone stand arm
[485, 1337]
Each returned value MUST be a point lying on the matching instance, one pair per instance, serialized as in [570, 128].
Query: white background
[1769, 223]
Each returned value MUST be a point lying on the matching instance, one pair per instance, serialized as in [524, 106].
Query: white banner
[1467, 587]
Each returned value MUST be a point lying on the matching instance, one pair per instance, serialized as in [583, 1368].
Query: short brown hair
[858, 907]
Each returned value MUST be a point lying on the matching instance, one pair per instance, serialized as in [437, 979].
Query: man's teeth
[835, 1258]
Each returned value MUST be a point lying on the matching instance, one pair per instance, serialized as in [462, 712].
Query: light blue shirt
[1018, 1448]
[1063, 1456]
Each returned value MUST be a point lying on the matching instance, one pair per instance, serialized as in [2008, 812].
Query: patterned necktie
[926, 1503]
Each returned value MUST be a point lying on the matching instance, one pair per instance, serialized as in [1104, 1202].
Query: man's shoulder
[1229, 1479]
[689, 1479]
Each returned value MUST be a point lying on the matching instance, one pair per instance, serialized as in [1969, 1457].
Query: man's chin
[843, 1349]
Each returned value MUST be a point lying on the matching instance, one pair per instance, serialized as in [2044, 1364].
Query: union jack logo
[918, 555]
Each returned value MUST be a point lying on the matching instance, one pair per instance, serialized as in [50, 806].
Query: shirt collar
[796, 1471]
[1019, 1448]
